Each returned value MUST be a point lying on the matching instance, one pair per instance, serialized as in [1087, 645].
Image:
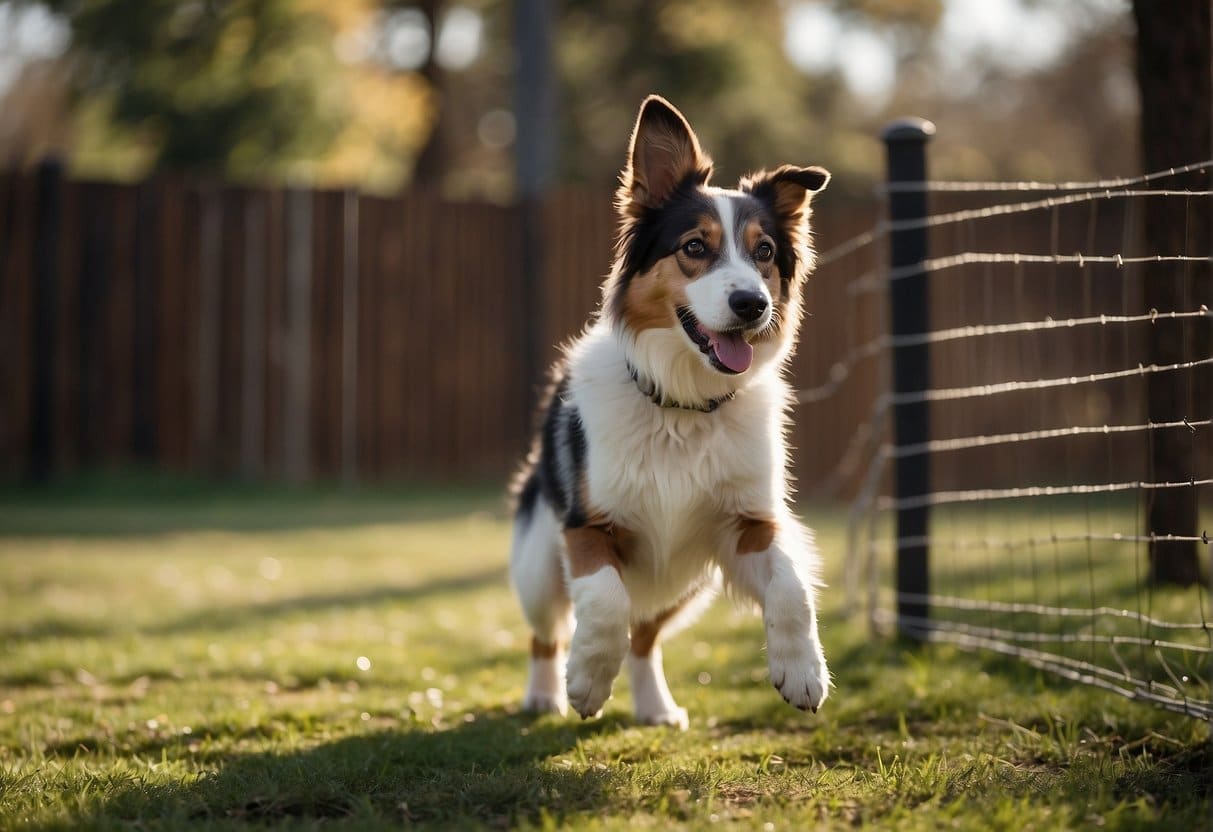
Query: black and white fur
[659, 469]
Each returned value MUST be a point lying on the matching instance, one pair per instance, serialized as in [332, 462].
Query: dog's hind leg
[538, 578]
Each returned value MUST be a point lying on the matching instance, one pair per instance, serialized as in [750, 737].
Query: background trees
[384, 93]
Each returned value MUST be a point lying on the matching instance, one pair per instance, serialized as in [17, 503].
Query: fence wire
[1041, 443]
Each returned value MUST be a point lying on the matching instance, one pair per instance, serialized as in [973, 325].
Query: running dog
[659, 468]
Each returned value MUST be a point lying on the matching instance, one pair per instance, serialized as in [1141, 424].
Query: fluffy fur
[659, 470]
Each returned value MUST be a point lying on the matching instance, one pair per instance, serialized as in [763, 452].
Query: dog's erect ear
[786, 189]
[663, 154]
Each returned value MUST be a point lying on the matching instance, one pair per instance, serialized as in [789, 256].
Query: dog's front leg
[602, 609]
[775, 563]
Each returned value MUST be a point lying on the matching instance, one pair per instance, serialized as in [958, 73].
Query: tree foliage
[252, 88]
[723, 63]
[262, 89]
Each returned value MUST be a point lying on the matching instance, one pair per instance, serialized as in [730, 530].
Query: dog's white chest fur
[675, 479]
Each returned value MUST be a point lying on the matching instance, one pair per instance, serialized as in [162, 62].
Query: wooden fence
[299, 335]
[291, 334]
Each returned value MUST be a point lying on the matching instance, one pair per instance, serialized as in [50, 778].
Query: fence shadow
[496, 770]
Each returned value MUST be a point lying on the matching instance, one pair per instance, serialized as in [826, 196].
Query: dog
[659, 467]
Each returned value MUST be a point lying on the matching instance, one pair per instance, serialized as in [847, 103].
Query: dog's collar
[654, 394]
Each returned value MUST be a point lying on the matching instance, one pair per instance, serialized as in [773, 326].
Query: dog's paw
[545, 687]
[539, 703]
[803, 682]
[589, 682]
[674, 716]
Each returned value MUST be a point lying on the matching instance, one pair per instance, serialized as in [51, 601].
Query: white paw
[545, 703]
[800, 676]
[590, 677]
[545, 687]
[673, 715]
[600, 639]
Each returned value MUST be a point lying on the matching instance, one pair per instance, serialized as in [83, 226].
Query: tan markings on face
[756, 534]
[652, 297]
[542, 649]
[711, 234]
[591, 548]
[751, 236]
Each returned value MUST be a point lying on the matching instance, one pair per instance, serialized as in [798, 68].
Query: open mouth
[728, 352]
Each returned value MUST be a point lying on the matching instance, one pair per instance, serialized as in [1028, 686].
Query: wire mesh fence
[1031, 524]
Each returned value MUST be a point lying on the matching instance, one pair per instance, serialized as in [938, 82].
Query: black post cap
[908, 129]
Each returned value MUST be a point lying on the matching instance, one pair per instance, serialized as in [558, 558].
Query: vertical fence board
[172, 392]
[48, 207]
[329, 321]
[349, 337]
[67, 346]
[253, 337]
[230, 368]
[94, 287]
[396, 366]
[407, 373]
[296, 428]
[464, 375]
[429, 383]
[320, 394]
[209, 290]
[144, 341]
[118, 328]
[16, 217]
[275, 331]
[370, 315]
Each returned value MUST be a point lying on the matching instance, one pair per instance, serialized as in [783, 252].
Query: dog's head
[714, 272]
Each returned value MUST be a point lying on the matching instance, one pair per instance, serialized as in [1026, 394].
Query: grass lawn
[180, 656]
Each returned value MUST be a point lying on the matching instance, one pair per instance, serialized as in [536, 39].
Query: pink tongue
[732, 350]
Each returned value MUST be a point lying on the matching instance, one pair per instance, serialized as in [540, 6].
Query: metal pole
[535, 152]
[909, 306]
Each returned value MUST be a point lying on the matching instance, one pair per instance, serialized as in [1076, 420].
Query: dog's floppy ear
[787, 188]
[787, 191]
[663, 154]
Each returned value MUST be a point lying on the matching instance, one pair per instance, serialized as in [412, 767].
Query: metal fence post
[909, 302]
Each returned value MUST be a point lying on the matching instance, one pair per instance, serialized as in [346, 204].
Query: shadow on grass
[498, 770]
[236, 618]
[224, 619]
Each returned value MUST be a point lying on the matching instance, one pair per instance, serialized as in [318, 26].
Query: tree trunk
[434, 161]
[1175, 77]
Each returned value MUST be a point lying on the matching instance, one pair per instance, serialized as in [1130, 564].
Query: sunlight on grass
[219, 659]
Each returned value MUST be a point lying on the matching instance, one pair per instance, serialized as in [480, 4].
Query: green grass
[178, 656]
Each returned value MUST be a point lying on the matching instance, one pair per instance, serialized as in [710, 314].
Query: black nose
[748, 306]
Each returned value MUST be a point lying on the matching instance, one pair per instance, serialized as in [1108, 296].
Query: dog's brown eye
[764, 252]
[694, 248]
